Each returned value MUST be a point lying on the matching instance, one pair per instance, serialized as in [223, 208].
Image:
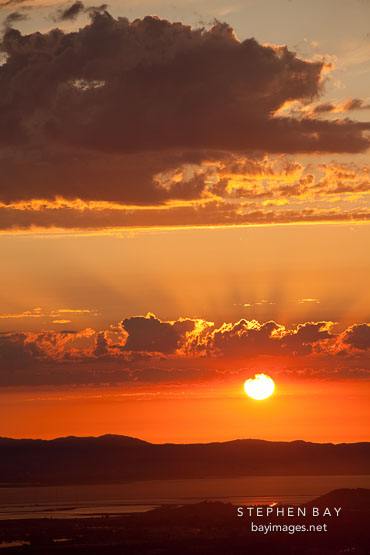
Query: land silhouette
[115, 459]
[209, 527]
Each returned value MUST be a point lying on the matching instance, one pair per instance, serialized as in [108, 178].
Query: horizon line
[108, 435]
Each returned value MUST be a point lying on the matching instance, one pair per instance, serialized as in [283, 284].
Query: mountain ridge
[124, 437]
[114, 458]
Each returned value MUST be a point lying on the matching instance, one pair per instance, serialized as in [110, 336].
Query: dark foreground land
[204, 528]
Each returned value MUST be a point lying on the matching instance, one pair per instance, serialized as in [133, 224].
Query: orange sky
[290, 274]
[312, 410]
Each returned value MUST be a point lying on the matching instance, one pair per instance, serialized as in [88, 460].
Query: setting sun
[259, 388]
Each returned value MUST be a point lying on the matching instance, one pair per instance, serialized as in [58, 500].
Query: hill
[109, 459]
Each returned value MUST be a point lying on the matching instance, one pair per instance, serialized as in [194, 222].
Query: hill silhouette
[113, 458]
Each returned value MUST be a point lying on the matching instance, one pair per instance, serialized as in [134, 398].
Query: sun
[260, 387]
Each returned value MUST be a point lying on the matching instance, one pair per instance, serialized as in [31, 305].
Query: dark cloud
[150, 334]
[17, 352]
[358, 336]
[14, 17]
[302, 340]
[92, 10]
[101, 345]
[87, 175]
[242, 338]
[324, 107]
[97, 113]
[149, 350]
[71, 12]
[348, 105]
[245, 338]
[226, 190]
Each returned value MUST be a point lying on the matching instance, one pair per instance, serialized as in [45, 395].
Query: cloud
[148, 349]
[214, 213]
[98, 113]
[75, 310]
[71, 12]
[349, 105]
[150, 334]
[343, 178]
[14, 17]
[357, 336]
[101, 345]
[18, 315]
[311, 110]
[264, 178]
[15, 348]
[250, 338]
[39, 313]
[223, 189]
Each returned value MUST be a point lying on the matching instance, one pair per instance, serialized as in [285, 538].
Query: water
[16, 543]
[96, 500]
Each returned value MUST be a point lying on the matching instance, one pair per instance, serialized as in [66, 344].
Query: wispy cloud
[39, 313]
